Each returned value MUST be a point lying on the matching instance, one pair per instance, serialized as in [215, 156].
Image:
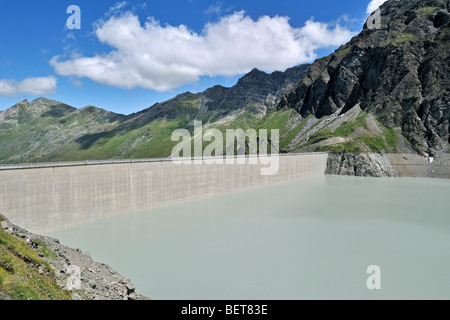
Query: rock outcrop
[361, 165]
[389, 165]
[253, 95]
[399, 72]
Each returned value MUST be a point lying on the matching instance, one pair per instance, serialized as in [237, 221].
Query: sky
[124, 56]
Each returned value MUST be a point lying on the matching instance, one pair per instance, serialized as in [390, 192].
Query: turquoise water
[311, 239]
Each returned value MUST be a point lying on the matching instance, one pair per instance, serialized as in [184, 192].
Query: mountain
[255, 94]
[47, 130]
[44, 129]
[387, 90]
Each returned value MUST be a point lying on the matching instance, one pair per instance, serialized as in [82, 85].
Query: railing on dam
[34, 165]
[64, 194]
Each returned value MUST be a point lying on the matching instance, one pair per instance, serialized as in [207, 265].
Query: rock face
[360, 165]
[399, 72]
[254, 95]
[389, 165]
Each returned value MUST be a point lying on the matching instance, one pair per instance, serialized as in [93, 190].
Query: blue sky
[129, 55]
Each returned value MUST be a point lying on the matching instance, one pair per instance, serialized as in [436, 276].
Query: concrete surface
[47, 197]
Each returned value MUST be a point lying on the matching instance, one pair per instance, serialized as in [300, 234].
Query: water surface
[311, 239]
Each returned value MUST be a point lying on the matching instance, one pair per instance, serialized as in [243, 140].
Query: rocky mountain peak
[398, 72]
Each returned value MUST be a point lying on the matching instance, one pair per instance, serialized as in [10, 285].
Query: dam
[51, 196]
[313, 238]
[228, 232]
[45, 197]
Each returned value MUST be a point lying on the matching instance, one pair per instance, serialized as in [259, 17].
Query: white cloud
[373, 5]
[33, 86]
[115, 8]
[76, 82]
[214, 9]
[164, 57]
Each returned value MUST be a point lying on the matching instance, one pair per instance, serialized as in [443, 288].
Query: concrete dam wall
[47, 197]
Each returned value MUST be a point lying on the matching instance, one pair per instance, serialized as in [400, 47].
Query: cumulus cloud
[161, 58]
[33, 86]
[374, 4]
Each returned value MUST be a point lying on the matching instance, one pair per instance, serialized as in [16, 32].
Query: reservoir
[309, 239]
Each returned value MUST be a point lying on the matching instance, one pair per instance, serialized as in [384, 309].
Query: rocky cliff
[389, 165]
[399, 73]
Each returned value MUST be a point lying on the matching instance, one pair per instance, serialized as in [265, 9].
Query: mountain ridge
[386, 91]
[49, 130]
[399, 73]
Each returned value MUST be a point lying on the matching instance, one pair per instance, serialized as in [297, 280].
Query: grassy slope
[84, 135]
[368, 142]
[20, 277]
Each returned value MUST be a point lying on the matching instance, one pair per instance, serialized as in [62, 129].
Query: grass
[53, 128]
[342, 53]
[276, 120]
[344, 130]
[391, 137]
[146, 141]
[374, 143]
[407, 141]
[19, 275]
[46, 252]
[286, 140]
[388, 141]
[397, 38]
[427, 10]
[346, 147]
[347, 128]
[320, 136]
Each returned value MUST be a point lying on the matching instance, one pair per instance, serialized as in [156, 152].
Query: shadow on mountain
[58, 111]
[88, 140]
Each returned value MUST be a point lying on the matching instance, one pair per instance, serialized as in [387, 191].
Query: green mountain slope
[46, 130]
